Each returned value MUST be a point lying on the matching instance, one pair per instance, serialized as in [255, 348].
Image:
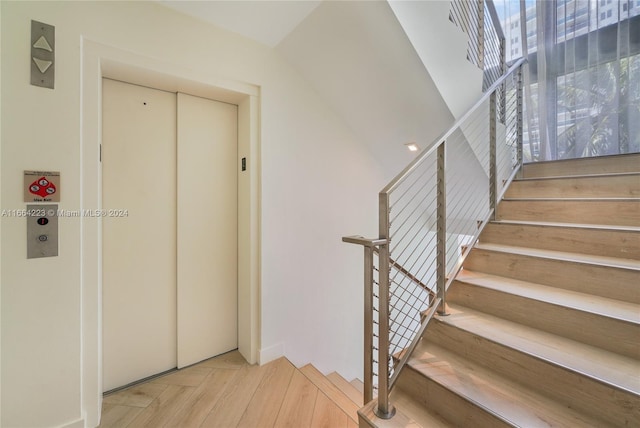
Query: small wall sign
[42, 186]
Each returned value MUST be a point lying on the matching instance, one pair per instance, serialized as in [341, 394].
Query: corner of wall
[271, 353]
[249, 233]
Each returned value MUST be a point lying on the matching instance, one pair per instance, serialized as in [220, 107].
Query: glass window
[595, 98]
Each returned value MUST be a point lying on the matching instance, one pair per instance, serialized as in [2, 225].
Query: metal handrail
[388, 373]
[405, 172]
[370, 246]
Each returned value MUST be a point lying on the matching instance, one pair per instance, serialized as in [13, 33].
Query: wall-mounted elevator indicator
[42, 231]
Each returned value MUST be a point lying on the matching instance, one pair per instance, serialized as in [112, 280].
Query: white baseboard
[270, 353]
[75, 424]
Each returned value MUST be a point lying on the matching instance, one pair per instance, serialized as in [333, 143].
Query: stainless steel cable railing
[486, 47]
[430, 216]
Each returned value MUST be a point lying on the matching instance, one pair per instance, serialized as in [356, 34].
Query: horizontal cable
[417, 207]
[411, 186]
[412, 249]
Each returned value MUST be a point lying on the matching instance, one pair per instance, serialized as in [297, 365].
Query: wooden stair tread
[624, 311]
[620, 185]
[613, 262]
[579, 176]
[601, 365]
[619, 242]
[580, 166]
[603, 280]
[348, 389]
[420, 414]
[399, 420]
[570, 225]
[577, 199]
[331, 391]
[619, 211]
[508, 400]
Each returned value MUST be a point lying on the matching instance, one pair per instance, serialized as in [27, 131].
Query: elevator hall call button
[42, 231]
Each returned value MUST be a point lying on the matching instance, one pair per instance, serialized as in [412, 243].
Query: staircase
[226, 391]
[544, 323]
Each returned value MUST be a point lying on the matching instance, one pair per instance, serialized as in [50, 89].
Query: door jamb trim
[98, 61]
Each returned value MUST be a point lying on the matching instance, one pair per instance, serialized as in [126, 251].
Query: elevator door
[207, 229]
[169, 255]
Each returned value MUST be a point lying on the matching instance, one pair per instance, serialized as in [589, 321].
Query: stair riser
[612, 282]
[331, 391]
[363, 421]
[593, 329]
[592, 397]
[452, 407]
[610, 212]
[613, 186]
[597, 242]
[599, 165]
[347, 388]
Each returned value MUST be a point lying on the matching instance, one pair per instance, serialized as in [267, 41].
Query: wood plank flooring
[228, 392]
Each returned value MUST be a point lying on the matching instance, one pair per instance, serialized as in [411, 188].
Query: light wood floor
[228, 392]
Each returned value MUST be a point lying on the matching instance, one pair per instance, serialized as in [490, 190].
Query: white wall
[319, 182]
[358, 57]
[312, 198]
[40, 297]
[442, 46]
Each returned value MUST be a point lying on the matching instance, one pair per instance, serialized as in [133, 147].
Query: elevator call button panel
[42, 231]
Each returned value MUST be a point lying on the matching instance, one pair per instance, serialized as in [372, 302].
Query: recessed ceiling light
[413, 147]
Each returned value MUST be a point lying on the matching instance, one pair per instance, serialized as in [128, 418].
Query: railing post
[369, 248]
[368, 324]
[493, 176]
[384, 410]
[441, 238]
[503, 89]
[481, 60]
[519, 119]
